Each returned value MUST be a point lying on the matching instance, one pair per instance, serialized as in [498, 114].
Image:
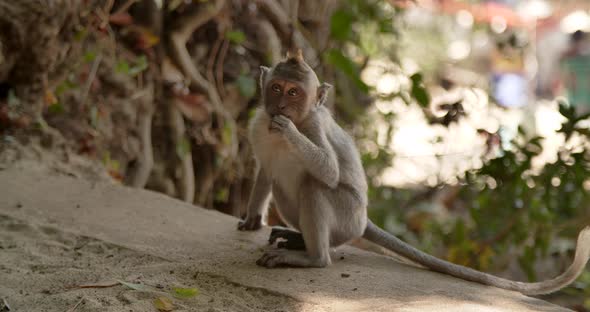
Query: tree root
[145, 161]
[181, 57]
[290, 35]
[187, 180]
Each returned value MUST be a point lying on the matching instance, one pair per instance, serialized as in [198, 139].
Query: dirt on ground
[45, 269]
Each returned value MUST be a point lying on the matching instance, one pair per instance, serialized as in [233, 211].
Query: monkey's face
[288, 98]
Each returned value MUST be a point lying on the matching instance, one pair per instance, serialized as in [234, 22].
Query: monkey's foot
[290, 258]
[250, 224]
[293, 240]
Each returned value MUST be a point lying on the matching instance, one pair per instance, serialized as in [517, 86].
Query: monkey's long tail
[376, 235]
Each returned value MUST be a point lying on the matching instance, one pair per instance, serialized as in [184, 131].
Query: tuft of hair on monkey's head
[295, 56]
[294, 67]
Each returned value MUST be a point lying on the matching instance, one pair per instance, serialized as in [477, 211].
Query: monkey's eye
[276, 88]
[293, 92]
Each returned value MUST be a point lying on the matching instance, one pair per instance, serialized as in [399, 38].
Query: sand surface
[62, 228]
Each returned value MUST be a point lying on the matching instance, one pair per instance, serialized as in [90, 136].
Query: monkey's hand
[282, 124]
[250, 224]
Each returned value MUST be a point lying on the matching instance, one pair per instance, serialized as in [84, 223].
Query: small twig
[212, 57]
[107, 285]
[184, 60]
[146, 160]
[139, 94]
[219, 71]
[104, 13]
[187, 188]
[72, 309]
[125, 6]
[289, 33]
[268, 41]
[108, 6]
[4, 307]
[90, 79]
[192, 22]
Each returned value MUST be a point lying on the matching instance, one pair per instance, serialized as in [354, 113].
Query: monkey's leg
[294, 239]
[314, 220]
[258, 203]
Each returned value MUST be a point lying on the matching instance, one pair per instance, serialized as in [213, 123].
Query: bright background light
[578, 20]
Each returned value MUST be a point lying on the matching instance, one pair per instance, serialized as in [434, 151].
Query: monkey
[312, 169]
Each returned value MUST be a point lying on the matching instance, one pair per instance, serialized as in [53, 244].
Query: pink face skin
[288, 98]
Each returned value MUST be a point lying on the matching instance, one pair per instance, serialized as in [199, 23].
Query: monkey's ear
[263, 74]
[323, 91]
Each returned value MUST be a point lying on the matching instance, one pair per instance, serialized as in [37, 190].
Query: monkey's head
[291, 88]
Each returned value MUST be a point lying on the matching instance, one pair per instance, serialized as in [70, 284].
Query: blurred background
[472, 117]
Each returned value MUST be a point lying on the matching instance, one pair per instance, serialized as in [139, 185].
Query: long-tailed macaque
[314, 172]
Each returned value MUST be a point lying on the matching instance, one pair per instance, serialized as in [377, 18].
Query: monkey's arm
[316, 153]
[258, 202]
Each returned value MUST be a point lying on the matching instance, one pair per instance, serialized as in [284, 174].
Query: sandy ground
[42, 269]
[62, 226]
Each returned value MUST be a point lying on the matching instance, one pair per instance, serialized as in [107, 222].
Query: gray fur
[315, 174]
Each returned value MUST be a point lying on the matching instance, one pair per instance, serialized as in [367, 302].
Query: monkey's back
[351, 169]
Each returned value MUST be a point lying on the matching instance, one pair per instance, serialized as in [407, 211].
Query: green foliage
[89, 56]
[183, 147]
[519, 209]
[341, 25]
[94, 116]
[185, 292]
[361, 31]
[139, 287]
[418, 90]
[13, 100]
[56, 108]
[246, 86]
[235, 36]
[66, 85]
[347, 66]
[515, 210]
[139, 65]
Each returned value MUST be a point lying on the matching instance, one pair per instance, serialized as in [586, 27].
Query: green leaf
[140, 65]
[122, 67]
[347, 66]
[13, 101]
[81, 34]
[251, 113]
[583, 116]
[90, 56]
[163, 304]
[418, 90]
[416, 78]
[341, 25]
[56, 108]
[421, 96]
[185, 292]
[368, 40]
[183, 147]
[133, 286]
[568, 111]
[94, 117]
[222, 195]
[227, 134]
[246, 86]
[64, 86]
[235, 36]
